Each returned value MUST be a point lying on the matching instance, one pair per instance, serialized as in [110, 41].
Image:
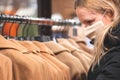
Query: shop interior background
[63, 8]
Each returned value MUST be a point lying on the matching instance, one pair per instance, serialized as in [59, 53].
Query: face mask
[95, 29]
[91, 31]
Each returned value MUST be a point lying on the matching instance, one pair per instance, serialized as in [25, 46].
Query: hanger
[3, 25]
[75, 30]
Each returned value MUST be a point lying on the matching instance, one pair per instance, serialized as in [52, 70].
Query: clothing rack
[38, 21]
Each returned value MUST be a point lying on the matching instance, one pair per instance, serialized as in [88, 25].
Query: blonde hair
[100, 6]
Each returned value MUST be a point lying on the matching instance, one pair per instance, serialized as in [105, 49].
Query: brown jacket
[45, 68]
[53, 71]
[80, 45]
[5, 68]
[64, 55]
[24, 68]
[85, 60]
[45, 51]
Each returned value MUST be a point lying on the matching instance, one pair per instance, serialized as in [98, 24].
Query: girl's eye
[89, 22]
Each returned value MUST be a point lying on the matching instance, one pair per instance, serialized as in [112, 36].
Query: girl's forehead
[84, 13]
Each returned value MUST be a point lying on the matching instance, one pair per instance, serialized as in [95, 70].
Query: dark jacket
[109, 66]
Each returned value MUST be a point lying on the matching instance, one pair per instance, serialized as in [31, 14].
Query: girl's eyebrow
[86, 20]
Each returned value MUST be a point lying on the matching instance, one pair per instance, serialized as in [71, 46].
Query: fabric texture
[53, 70]
[45, 51]
[6, 72]
[85, 60]
[81, 45]
[64, 55]
[49, 71]
[108, 68]
[22, 65]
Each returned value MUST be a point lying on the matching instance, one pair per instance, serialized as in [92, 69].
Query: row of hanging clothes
[29, 59]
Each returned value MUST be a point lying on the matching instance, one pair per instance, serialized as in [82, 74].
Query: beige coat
[5, 68]
[64, 55]
[56, 72]
[81, 55]
[45, 68]
[24, 68]
[45, 51]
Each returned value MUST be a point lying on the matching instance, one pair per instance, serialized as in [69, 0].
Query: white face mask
[95, 29]
[91, 31]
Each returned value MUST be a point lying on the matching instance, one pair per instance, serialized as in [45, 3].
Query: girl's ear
[110, 15]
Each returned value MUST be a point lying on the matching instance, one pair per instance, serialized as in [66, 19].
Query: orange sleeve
[10, 29]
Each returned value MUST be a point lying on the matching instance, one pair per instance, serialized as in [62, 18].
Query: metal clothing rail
[38, 21]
